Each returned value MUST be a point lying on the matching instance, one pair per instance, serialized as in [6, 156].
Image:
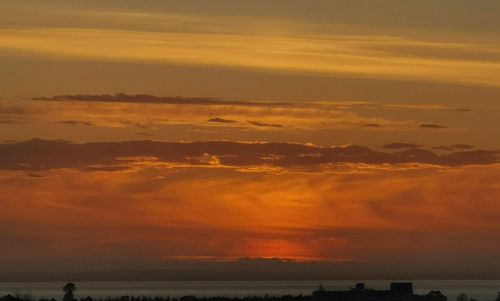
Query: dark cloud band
[45, 155]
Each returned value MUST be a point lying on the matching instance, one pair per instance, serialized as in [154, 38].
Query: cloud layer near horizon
[401, 216]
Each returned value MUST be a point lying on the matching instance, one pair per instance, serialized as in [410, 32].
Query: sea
[481, 290]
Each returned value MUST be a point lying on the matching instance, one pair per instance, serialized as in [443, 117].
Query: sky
[298, 139]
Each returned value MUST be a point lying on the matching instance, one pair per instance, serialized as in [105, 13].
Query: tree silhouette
[68, 290]
[462, 297]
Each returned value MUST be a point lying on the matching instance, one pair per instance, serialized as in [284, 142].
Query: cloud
[145, 98]
[286, 53]
[404, 207]
[399, 145]
[454, 147]
[75, 122]
[462, 146]
[472, 157]
[425, 107]
[151, 112]
[146, 134]
[6, 109]
[47, 155]
[221, 120]
[35, 175]
[201, 111]
[432, 126]
[263, 124]
[14, 113]
[372, 125]
[386, 218]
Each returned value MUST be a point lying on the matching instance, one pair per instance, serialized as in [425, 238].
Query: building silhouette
[399, 291]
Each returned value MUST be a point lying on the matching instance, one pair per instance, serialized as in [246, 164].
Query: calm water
[483, 290]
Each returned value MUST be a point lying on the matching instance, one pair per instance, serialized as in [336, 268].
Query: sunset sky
[318, 137]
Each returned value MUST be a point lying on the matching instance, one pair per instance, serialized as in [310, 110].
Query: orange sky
[305, 131]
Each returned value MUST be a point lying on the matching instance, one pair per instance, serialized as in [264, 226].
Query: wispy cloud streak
[320, 54]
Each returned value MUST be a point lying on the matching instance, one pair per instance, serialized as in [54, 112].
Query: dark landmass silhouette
[399, 291]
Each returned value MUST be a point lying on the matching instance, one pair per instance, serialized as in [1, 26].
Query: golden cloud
[320, 54]
[188, 213]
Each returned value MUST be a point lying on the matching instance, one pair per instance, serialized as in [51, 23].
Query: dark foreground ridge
[399, 291]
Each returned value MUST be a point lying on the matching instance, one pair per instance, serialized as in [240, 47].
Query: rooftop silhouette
[399, 291]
